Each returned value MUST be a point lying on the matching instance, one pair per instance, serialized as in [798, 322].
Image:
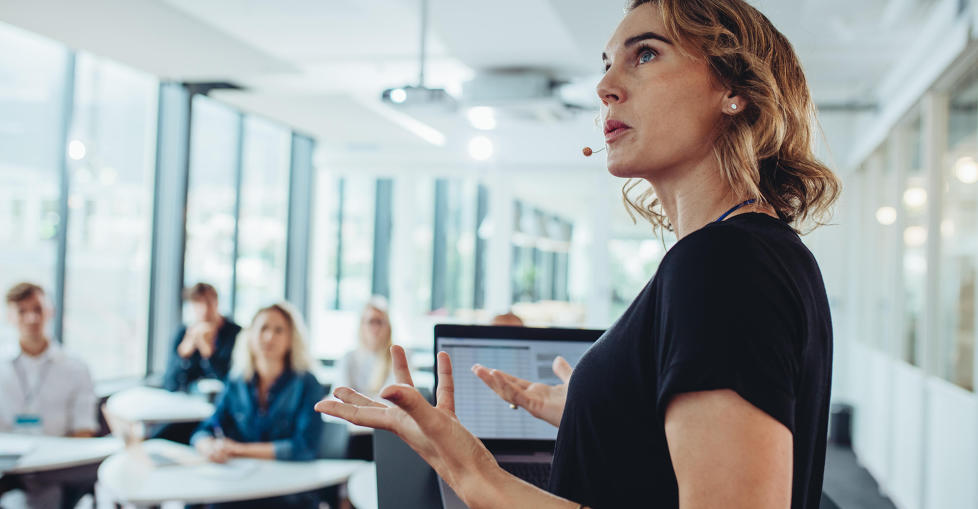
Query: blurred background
[326, 151]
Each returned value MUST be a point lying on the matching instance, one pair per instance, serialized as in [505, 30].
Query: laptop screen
[527, 353]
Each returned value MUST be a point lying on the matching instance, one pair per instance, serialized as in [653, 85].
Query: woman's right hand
[543, 401]
[214, 449]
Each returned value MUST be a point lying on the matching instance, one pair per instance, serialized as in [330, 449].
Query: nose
[609, 88]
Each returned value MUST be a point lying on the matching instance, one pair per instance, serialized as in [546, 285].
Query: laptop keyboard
[537, 474]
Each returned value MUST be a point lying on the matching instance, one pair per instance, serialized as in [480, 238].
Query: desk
[128, 476]
[362, 487]
[54, 453]
[157, 406]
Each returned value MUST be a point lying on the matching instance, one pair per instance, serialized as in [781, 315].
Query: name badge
[28, 423]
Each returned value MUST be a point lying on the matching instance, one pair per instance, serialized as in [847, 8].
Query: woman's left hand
[434, 432]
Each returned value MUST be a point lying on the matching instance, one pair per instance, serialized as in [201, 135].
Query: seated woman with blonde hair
[266, 410]
[368, 368]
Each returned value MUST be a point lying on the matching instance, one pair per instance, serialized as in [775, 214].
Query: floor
[848, 484]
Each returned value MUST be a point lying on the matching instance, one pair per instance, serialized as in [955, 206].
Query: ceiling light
[482, 117]
[76, 150]
[480, 148]
[398, 96]
[915, 197]
[886, 215]
[966, 170]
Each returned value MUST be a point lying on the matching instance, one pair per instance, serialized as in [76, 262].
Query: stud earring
[733, 107]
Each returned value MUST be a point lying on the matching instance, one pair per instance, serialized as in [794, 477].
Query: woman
[367, 369]
[712, 389]
[265, 410]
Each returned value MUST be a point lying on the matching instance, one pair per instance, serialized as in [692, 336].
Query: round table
[160, 471]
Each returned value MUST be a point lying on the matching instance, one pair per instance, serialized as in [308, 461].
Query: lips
[614, 129]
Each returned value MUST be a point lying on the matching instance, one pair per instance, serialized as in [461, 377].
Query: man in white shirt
[44, 392]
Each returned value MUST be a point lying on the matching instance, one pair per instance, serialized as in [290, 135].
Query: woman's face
[375, 329]
[660, 108]
[273, 338]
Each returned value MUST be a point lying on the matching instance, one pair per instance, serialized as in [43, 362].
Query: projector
[414, 97]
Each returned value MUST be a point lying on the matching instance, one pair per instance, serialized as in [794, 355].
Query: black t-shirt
[735, 305]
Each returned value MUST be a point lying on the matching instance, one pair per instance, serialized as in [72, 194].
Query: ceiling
[320, 66]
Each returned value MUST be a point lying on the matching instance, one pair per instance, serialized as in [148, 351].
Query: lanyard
[735, 207]
[31, 392]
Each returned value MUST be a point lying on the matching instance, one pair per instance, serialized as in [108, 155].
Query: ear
[733, 104]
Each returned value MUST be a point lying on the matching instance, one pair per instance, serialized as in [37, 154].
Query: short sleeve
[729, 320]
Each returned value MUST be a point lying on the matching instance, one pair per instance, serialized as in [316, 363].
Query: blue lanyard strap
[735, 207]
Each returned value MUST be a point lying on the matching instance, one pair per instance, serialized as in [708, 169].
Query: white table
[156, 406]
[362, 487]
[130, 477]
[45, 453]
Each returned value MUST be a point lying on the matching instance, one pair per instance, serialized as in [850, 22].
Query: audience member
[45, 391]
[266, 410]
[367, 369]
[202, 349]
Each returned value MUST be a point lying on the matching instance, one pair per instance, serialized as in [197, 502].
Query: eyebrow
[635, 39]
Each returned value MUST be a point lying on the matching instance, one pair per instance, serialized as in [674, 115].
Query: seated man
[45, 392]
[202, 349]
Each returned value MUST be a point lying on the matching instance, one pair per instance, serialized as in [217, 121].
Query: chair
[334, 443]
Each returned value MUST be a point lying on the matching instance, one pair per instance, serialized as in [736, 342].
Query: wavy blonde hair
[767, 152]
[298, 359]
[382, 369]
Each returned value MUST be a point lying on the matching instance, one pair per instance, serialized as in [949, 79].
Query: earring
[733, 106]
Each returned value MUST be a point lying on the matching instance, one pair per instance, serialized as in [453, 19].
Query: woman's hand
[543, 401]
[433, 432]
[218, 450]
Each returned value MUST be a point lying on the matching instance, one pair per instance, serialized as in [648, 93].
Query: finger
[504, 388]
[496, 381]
[562, 369]
[402, 374]
[412, 402]
[515, 380]
[371, 417]
[445, 395]
[348, 395]
[517, 396]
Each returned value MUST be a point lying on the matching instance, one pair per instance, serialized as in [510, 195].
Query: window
[342, 263]
[357, 243]
[453, 281]
[633, 263]
[959, 237]
[211, 197]
[264, 211]
[914, 203]
[110, 205]
[32, 81]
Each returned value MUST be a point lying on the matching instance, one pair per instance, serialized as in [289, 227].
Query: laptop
[522, 444]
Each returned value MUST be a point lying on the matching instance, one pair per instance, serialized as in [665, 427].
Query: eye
[646, 55]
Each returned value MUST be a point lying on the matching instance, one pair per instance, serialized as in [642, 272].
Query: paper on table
[235, 468]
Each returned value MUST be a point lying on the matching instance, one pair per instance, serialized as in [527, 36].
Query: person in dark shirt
[202, 349]
[266, 410]
[712, 388]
